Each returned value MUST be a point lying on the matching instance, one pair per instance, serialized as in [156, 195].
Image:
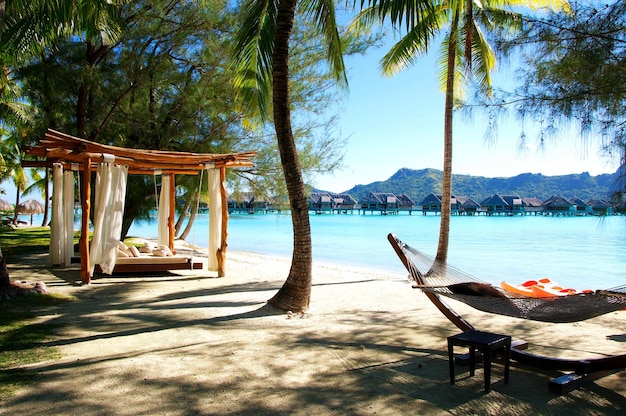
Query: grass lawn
[21, 335]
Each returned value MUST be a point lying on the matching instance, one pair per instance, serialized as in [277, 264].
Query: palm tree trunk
[183, 213]
[295, 293]
[446, 191]
[46, 208]
[192, 218]
[17, 203]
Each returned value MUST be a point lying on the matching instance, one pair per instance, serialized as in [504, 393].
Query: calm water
[582, 252]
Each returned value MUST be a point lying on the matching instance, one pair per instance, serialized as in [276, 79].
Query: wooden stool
[486, 343]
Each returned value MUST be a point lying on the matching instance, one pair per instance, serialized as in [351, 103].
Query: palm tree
[261, 56]
[465, 54]
[26, 26]
[10, 165]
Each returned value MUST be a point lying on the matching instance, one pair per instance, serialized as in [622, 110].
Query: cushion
[166, 250]
[124, 248]
[134, 251]
[158, 252]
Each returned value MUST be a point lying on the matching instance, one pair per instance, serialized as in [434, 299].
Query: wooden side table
[486, 343]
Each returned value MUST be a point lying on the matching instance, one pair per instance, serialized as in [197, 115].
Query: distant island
[418, 184]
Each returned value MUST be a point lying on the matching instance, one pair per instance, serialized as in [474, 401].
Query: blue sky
[397, 122]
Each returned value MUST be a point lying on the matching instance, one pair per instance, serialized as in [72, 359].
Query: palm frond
[323, 14]
[483, 60]
[460, 75]
[252, 54]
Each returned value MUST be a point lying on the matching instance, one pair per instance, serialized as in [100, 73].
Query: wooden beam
[170, 218]
[221, 252]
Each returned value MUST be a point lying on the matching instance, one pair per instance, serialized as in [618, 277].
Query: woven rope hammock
[444, 280]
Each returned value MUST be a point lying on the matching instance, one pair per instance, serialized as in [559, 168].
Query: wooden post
[83, 243]
[221, 252]
[170, 218]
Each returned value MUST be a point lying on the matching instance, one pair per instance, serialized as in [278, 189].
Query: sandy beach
[188, 343]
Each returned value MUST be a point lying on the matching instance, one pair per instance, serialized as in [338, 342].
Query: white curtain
[215, 216]
[68, 220]
[110, 196]
[57, 229]
[164, 212]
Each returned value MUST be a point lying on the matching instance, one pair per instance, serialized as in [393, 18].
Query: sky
[397, 122]
[394, 123]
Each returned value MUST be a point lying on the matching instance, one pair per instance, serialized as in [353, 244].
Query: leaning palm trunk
[446, 191]
[295, 293]
[183, 213]
[192, 218]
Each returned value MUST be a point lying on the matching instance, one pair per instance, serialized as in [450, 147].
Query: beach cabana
[66, 154]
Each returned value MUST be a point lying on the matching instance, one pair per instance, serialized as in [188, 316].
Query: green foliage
[417, 184]
[572, 74]
[166, 84]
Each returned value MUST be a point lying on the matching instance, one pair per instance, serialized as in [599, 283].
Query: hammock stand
[436, 280]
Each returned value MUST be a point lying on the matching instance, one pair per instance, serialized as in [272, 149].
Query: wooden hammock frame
[84, 155]
[584, 370]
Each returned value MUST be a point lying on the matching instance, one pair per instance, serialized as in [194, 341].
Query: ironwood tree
[573, 75]
[165, 84]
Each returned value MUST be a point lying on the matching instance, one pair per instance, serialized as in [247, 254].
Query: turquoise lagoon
[581, 252]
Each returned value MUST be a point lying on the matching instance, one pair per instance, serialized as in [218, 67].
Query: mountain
[417, 184]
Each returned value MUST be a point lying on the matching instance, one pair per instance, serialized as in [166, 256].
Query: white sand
[188, 343]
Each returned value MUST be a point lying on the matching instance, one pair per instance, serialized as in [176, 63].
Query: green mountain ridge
[417, 184]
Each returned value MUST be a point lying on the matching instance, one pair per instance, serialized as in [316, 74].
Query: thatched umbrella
[32, 206]
[5, 206]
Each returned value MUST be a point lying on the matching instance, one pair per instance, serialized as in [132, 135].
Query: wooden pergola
[57, 147]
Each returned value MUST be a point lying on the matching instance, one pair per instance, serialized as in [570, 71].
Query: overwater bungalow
[320, 202]
[384, 203]
[533, 206]
[405, 203]
[344, 203]
[557, 205]
[468, 206]
[600, 207]
[515, 202]
[582, 208]
[247, 202]
[432, 203]
[503, 205]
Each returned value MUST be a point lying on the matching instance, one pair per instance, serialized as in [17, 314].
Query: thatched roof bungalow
[496, 205]
[467, 205]
[582, 208]
[600, 207]
[432, 203]
[557, 205]
[247, 202]
[405, 203]
[320, 202]
[383, 202]
[344, 202]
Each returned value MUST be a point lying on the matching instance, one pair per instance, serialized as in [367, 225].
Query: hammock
[436, 278]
